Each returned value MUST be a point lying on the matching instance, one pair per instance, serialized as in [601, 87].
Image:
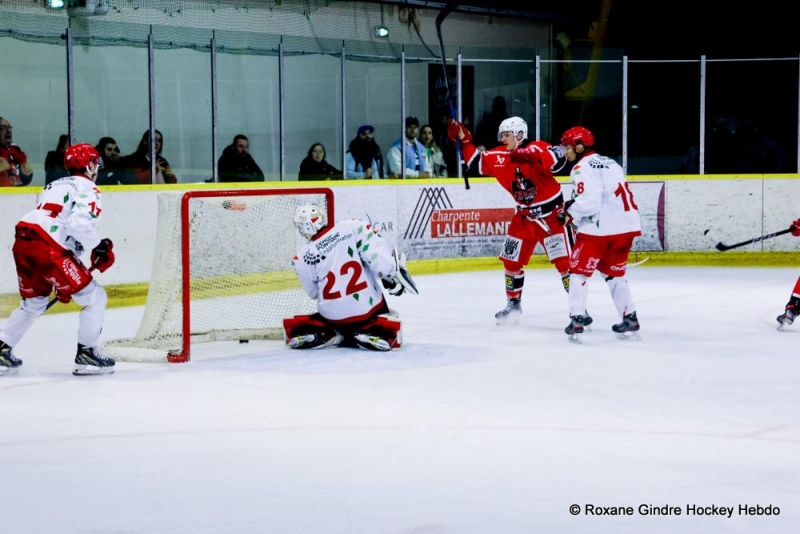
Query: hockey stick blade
[638, 263]
[722, 247]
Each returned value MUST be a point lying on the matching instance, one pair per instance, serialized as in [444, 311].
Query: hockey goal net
[222, 271]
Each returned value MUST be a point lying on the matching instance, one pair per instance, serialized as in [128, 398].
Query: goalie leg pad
[383, 333]
[309, 332]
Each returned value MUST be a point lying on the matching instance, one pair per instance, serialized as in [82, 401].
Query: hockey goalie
[343, 267]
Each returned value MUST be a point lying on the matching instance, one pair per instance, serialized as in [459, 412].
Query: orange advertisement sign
[470, 222]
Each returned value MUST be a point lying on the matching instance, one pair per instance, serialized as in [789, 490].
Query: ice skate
[786, 318]
[575, 328]
[628, 328]
[90, 361]
[368, 342]
[9, 364]
[315, 341]
[587, 321]
[511, 314]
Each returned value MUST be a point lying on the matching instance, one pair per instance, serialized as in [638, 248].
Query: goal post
[222, 270]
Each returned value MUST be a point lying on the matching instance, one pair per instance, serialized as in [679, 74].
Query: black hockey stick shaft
[439, 19]
[723, 247]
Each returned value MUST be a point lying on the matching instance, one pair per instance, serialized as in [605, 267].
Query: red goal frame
[183, 355]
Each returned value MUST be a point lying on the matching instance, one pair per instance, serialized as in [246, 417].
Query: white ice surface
[470, 428]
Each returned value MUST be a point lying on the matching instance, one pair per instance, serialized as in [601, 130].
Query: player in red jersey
[524, 169]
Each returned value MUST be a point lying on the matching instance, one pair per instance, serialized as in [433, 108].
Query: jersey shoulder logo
[312, 257]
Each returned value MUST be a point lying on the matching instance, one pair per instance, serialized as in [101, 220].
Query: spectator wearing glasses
[14, 167]
[417, 163]
[364, 158]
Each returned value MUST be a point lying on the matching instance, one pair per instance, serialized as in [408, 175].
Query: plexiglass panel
[313, 111]
[248, 103]
[663, 118]
[34, 98]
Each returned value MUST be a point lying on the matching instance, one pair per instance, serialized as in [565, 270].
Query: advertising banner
[439, 221]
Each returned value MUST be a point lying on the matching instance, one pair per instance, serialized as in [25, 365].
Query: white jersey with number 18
[604, 204]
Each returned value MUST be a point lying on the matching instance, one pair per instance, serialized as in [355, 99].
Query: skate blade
[88, 370]
[8, 371]
[574, 338]
[781, 326]
[628, 336]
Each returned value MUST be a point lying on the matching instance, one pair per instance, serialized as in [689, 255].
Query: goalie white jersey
[341, 268]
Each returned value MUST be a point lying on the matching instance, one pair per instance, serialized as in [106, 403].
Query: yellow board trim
[136, 294]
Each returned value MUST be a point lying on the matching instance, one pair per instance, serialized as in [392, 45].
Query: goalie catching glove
[102, 255]
[401, 281]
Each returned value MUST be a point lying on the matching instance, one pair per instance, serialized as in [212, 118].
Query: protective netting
[238, 26]
[242, 284]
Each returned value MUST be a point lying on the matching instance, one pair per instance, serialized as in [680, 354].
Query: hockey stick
[55, 299]
[723, 247]
[439, 19]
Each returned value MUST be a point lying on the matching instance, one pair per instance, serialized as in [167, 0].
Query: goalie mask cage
[222, 271]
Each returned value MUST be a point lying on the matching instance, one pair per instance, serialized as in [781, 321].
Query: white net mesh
[242, 285]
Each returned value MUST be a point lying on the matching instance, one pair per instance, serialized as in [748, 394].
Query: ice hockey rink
[470, 428]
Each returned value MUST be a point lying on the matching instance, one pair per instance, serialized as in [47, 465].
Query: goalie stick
[439, 19]
[719, 245]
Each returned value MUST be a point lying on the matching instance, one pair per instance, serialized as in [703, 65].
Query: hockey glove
[455, 130]
[562, 214]
[401, 281]
[102, 255]
[795, 227]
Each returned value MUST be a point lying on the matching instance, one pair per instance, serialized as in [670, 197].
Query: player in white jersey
[342, 267]
[47, 246]
[607, 218]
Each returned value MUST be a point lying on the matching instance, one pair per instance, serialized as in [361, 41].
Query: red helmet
[78, 157]
[577, 134]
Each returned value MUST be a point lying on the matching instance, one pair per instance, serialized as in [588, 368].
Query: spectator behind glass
[137, 165]
[364, 157]
[14, 167]
[54, 162]
[432, 151]
[486, 131]
[110, 173]
[417, 163]
[316, 167]
[236, 164]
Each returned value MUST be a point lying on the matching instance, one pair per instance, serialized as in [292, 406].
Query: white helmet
[309, 220]
[515, 125]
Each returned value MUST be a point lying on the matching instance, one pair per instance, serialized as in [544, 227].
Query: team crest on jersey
[312, 257]
[511, 248]
[523, 189]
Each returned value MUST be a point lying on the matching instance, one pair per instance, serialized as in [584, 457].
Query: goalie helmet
[77, 159]
[310, 219]
[577, 134]
[515, 125]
